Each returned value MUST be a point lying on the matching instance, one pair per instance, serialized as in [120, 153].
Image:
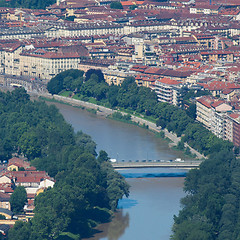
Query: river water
[148, 212]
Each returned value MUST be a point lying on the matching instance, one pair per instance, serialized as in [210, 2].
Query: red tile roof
[206, 101]
[18, 162]
[217, 85]
[169, 81]
[217, 103]
[234, 115]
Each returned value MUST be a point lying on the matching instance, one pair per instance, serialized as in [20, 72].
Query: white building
[168, 90]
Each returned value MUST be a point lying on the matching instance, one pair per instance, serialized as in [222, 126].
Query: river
[148, 212]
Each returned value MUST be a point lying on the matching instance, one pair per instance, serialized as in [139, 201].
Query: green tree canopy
[82, 195]
[18, 199]
[116, 5]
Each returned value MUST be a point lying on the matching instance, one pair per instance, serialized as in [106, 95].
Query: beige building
[204, 110]
[116, 74]
[218, 119]
[40, 63]
[12, 59]
[44, 65]
[214, 114]
[217, 55]
[4, 201]
[85, 65]
[5, 179]
[229, 128]
[116, 77]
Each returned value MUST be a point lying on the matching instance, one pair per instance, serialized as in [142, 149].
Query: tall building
[168, 90]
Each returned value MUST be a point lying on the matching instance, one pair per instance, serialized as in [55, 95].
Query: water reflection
[118, 226]
[127, 203]
[114, 229]
[148, 214]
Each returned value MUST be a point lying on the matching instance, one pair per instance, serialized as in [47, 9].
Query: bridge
[174, 164]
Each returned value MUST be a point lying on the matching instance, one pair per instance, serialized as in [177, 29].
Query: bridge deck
[192, 164]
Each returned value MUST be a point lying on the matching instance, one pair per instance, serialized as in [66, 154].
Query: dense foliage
[87, 188]
[211, 209]
[31, 4]
[143, 101]
[128, 95]
[69, 80]
[18, 199]
[116, 5]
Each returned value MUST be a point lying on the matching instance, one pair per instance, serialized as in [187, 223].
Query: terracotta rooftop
[217, 85]
[169, 81]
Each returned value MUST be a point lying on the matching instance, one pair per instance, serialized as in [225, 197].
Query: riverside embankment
[105, 112]
[149, 210]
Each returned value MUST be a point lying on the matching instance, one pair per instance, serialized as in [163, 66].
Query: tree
[81, 196]
[132, 7]
[63, 80]
[116, 5]
[102, 156]
[20, 231]
[38, 4]
[97, 72]
[18, 199]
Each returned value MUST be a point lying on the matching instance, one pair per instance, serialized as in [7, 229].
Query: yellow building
[13, 167]
[218, 55]
[116, 76]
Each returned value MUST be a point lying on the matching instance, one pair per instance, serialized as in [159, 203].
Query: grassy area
[91, 100]
[160, 134]
[94, 111]
[127, 119]
[147, 118]
[186, 151]
[150, 119]
[54, 100]
[68, 236]
[59, 101]
[66, 93]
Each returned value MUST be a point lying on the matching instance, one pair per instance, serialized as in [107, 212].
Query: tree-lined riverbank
[105, 112]
[157, 199]
[87, 189]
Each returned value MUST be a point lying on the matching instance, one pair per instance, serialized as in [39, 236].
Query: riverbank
[105, 112]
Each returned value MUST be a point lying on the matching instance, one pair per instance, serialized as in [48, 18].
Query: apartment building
[103, 28]
[11, 59]
[204, 9]
[217, 55]
[116, 74]
[204, 111]
[233, 128]
[218, 118]
[21, 33]
[168, 90]
[86, 29]
[46, 64]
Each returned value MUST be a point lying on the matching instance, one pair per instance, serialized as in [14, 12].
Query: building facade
[168, 90]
